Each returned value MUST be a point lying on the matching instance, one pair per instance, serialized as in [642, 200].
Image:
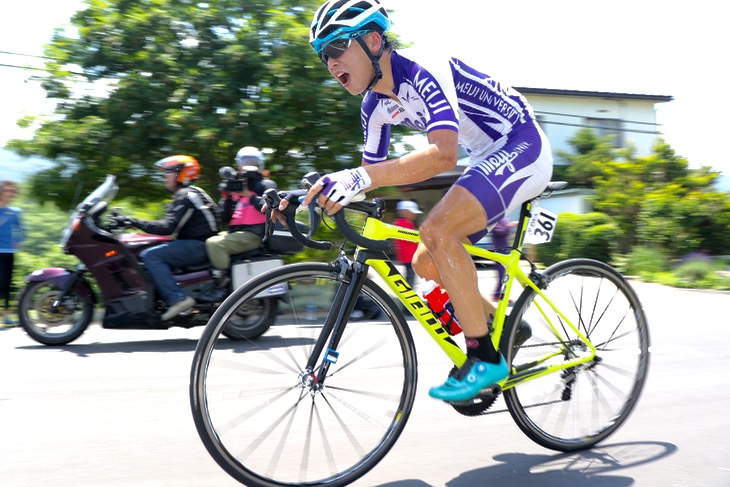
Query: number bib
[541, 226]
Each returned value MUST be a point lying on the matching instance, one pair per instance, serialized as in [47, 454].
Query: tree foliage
[591, 235]
[591, 153]
[144, 79]
[659, 201]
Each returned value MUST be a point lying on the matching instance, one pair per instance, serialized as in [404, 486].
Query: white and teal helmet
[337, 19]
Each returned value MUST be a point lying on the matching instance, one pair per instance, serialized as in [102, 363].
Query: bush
[645, 262]
[592, 235]
[701, 273]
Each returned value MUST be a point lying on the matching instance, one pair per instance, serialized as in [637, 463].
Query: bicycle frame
[377, 230]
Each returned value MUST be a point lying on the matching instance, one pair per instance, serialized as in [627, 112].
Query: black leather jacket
[192, 215]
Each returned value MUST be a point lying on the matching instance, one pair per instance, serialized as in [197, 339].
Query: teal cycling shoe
[469, 379]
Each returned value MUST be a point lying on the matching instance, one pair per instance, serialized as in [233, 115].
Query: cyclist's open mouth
[343, 78]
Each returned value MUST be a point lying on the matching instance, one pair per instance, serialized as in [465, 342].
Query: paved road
[111, 410]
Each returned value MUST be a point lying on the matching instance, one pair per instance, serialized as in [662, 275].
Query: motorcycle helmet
[250, 156]
[337, 19]
[186, 167]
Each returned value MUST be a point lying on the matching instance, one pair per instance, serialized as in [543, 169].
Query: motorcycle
[57, 304]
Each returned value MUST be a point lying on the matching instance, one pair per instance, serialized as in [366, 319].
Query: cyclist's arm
[440, 155]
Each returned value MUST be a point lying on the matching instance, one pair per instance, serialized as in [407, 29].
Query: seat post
[527, 206]
[522, 223]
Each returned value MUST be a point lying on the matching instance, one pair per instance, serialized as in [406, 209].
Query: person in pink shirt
[242, 213]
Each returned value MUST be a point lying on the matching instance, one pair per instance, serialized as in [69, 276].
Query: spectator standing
[408, 212]
[11, 237]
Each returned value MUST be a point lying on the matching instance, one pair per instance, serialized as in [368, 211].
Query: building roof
[594, 94]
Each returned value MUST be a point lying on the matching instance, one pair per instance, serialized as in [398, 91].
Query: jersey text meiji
[432, 95]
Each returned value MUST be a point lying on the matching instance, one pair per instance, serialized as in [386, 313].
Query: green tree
[144, 79]
[591, 153]
[658, 200]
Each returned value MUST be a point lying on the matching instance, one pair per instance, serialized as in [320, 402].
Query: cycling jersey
[442, 94]
[510, 159]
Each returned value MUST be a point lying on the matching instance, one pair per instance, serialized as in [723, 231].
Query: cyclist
[454, 103]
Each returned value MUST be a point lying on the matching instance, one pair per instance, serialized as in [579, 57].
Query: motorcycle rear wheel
[252, 319]
[59, 327]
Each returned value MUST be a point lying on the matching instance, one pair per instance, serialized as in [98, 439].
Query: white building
[630, 118]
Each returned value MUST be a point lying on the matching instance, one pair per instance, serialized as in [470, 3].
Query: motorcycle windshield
[105, 192]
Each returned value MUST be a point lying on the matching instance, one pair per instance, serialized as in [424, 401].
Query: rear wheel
[252, 319]
[580, 406]
[50, 326]
[267, 421]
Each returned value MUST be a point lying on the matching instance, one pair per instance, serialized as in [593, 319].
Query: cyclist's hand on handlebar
[284, 198]
[338, 189]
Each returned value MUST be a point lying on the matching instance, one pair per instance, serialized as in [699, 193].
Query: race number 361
[541, 226]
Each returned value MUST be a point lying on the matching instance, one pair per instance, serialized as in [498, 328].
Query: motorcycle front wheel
[48, 326]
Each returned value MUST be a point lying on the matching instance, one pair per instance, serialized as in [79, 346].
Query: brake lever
[272, 202]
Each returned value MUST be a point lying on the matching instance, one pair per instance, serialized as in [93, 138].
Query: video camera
[234, 182]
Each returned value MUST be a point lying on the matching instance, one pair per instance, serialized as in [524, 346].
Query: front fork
[67, 286]
[351, 277]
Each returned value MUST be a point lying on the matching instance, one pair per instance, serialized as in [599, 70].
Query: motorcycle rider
[192, 217]
[242, 213]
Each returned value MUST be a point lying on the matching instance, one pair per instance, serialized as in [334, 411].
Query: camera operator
[241, 205]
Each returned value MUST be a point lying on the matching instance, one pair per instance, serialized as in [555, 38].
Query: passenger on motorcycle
[241, 211]
[192, 217]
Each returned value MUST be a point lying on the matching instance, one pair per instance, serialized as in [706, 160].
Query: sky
[651, 47]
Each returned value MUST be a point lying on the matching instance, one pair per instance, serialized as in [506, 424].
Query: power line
[32, 68]
[27, 55]
[22, 67]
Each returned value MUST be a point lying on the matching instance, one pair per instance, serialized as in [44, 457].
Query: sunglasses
[334, 49]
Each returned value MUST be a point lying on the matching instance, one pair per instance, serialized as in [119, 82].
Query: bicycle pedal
[487, 394]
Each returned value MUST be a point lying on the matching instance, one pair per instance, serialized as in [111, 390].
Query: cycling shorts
[503, 178]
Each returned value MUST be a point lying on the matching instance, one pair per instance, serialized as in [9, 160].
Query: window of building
[608, 126]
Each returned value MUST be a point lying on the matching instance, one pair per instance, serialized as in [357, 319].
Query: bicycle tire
[255, 415]
[579, 407]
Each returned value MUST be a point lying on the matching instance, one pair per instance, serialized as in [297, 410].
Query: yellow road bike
[322, 396]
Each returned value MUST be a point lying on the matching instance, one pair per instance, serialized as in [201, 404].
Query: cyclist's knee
[436, 237]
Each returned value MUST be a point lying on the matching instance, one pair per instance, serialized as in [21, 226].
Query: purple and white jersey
[443, 94]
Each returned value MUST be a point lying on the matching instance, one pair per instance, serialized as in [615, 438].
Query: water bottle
[439, 302]
[311, 314]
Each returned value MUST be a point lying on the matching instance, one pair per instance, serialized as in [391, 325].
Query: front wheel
[48, 326]
[577, 407]
[265, 418]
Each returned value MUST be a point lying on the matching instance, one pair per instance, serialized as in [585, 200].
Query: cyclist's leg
[425, 267]
[457, 215]
[496, 183]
